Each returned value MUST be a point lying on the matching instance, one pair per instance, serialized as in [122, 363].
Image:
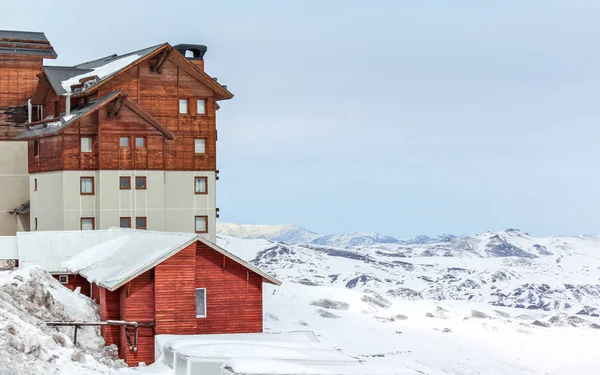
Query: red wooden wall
[109, 310]
[77, 281]
[136, 300]
[233, 294]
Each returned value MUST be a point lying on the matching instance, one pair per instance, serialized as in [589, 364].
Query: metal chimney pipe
[67, 104]
[29, 110]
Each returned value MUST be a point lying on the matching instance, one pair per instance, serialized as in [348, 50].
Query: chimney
[67, 104]
[193, 52]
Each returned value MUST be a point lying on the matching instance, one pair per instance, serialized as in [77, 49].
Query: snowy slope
[29, 297]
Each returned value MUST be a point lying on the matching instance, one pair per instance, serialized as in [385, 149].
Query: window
[124, 142]
[86, 144]
[140, 183]
[200, 146]
[183, 106]
[35, 224]
[36, 148]
[87, 185]
[200, 302]
[140, 142]
[63, 279]
[88, 223]
[35, 184]
[200, 185]
[140, 223]
[201, 224]
[201, 106]
[125, 183]
[125, 222]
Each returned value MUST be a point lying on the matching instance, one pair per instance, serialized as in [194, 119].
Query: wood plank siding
[137, 305]
[18, 80]
[233, 294]
[166, 295]
[158, 94]
[76, 281]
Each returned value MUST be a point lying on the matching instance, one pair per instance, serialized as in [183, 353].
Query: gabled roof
[57, 125]
[25, 43]
[63, 77]
[114, 263]
[104, 69]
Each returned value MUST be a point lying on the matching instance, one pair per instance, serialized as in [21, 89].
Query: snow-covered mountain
[294, 234]
[509, 268]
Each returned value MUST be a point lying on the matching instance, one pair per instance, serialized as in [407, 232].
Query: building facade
[123, 141]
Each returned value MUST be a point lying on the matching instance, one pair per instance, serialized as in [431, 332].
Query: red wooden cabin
[180, 283]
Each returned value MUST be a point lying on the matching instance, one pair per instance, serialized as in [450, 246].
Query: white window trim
[205, 311]
[81, 144]
[203, 101]
[195, 147]
[183, 102]
[61, 281]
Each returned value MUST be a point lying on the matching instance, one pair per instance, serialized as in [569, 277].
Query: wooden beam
[113, 111]
[43, 79]
[158, 64]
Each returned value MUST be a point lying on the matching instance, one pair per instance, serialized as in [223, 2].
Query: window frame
[125, 218]
[36, 148]
[93, 219]
[128, 142]
[145, 183]
[205, 185]
[204, 106]
[205, 304]
[143, 141]
[81, 145]
[200, 153]
[129, 183]
[187, 106]
[81, 185]
[196, 224]
[145, 227]
[60, 280]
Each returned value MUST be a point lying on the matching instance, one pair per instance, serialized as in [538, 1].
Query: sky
[400, 117]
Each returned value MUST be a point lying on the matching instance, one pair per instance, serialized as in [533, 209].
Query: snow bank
[29, 297]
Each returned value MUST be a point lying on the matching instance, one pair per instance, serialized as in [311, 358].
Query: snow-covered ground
[495, 303]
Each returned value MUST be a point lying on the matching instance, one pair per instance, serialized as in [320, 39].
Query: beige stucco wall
[14, 184]
[168, 203]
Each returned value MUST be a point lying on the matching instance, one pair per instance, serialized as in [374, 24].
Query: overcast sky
[405, 118]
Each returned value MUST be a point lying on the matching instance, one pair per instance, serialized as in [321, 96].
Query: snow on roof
[102, 71]
[49, 249]
[253, 366]
[8, 247]
[175, 341]
[112, 263]
[276, 350]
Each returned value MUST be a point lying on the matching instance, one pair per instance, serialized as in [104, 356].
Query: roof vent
[196, 51]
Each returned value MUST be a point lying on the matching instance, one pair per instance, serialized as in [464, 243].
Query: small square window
[87, 185]
[125, 183]
[200, 146]
[36, 148]
[140, 183]
[86, 144]
[124, 142]
[63, 279]
[183, 106]
[201, 303]
[140, 223]
[201, 107]
[201, 225]
[88, 223]
[140, 142]
[125, 222]
[200, 185]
